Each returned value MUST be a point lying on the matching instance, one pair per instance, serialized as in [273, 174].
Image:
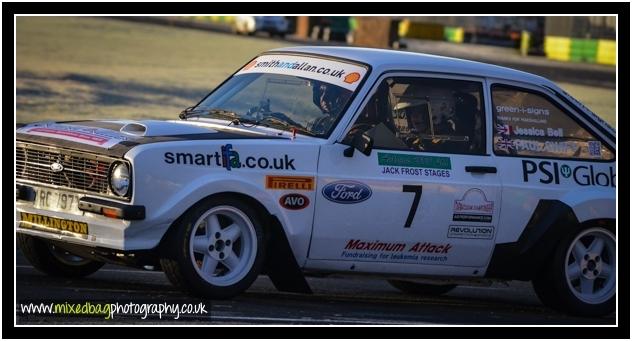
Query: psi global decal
[416, 165]
[345, 75]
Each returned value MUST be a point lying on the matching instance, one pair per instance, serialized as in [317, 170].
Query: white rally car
[423, 170]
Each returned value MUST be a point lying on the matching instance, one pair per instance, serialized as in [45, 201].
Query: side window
[529, 124]
[425, 114]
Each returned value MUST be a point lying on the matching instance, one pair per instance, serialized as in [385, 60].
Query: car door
[427, 196]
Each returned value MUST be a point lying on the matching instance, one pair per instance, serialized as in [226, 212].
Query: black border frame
[621, 331]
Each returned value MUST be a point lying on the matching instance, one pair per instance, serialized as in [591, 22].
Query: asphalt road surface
[336, 301]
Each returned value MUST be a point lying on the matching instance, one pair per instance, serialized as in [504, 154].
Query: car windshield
[291, 96]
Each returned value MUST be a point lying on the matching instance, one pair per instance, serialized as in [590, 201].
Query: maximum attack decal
[230, 159]
[474, 207]
[412, 252]
[548, 172]
[339, 73]
[99, 137]
[415, 165]
[347, 192]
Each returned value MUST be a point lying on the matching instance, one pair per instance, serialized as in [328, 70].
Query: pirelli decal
[296, 183]
[39, 222]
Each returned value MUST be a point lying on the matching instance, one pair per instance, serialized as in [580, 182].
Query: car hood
[117, 137]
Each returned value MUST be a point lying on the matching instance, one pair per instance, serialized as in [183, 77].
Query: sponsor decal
[522, 119]
[477, 218]
[352, 77]
[294, 201]
[416, 165]
[417, 252]
[41, 222]
[522, 110]
[474, 201]
[339, 73]
[470, 232]
[505, 129]
[86, 135]
[347, 192]
[548, 172]
[229, 158]
[560, 147]
[594, 148]
[301, 183]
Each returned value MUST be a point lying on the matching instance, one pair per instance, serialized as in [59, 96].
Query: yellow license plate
[46, 223]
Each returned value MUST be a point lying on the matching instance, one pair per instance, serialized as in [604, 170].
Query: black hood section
[121, 148]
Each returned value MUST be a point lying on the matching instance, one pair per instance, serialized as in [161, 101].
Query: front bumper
[90, 227]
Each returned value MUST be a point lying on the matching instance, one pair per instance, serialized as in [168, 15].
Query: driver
[330, 99]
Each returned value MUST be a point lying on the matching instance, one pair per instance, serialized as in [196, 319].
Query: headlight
[120, 179]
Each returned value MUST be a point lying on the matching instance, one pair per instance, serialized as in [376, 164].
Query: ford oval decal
[347, 192]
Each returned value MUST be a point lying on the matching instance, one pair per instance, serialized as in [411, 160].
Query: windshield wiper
[196, 112]
[286, 124]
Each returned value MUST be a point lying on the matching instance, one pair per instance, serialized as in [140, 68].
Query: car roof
[382, 59]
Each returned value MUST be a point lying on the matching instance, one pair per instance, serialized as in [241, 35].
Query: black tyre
[53, 260]
[217, 249]
[421, 289]
[581, 279]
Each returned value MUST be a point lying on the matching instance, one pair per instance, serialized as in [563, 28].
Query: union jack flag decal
[503, 129]
[505, 144]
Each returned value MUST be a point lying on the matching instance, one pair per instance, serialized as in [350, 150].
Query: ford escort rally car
[422, 170]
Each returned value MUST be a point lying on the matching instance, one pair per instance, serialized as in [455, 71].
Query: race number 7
[413, 209]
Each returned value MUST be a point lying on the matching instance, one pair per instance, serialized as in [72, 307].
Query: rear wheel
[581, 278]
[218, 248]
[54, 260]
[420, 288]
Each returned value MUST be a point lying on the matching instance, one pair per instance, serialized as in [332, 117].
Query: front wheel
[581, 278]
[420, 288]
[53, 260]
[218, 248]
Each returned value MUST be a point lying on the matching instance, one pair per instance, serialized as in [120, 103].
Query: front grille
[81, 171]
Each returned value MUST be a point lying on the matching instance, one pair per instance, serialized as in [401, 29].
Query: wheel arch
[550, 222]
[280, 262]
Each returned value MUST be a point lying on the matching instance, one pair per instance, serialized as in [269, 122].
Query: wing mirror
[362, 142]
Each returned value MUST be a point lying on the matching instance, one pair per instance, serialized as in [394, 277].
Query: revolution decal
[301, 183]
[413, 252]
[41, 222]
[228, 158]
[345, 75]
[99, 137]
[294, 201]
[470, 232]
[416, 165]
[347, 192]
[551, 172]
